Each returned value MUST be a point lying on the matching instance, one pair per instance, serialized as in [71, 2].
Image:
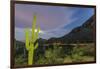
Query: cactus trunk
[30, 57]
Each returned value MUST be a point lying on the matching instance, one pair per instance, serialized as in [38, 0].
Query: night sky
[54, 21]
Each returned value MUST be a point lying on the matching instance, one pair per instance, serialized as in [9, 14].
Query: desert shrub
[68, 49]
[80, 52]
[76, 54]
[39, 54]
[19, 60]
[89, 50]
[52, 56]
[41, 60]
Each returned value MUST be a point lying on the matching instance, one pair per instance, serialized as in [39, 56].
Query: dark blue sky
[54, 21]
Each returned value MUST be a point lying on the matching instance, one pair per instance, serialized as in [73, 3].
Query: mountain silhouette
[83, 33]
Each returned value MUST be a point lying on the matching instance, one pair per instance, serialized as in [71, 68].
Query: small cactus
[31, 43]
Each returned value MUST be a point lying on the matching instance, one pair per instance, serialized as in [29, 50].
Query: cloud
[48, 17]
[20, 33]
[55, 33]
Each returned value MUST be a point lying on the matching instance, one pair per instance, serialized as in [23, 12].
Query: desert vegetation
[74, 47]
[59, 54]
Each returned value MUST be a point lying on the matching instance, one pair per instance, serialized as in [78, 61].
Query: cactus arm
[37, 33]
[38, 30]
[27, 38]
[36, 46]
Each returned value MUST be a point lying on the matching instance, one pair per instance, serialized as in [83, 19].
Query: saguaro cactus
[31, 43]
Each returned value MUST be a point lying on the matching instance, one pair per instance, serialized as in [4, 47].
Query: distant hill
[83, 33]
[19, 47]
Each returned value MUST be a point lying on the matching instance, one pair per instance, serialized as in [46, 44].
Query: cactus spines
[31, 43]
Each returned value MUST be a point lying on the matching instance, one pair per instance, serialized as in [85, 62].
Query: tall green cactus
[31, 43]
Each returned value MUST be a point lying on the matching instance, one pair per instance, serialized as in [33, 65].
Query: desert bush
[79, 52]
[52, 56]
[19, 60]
